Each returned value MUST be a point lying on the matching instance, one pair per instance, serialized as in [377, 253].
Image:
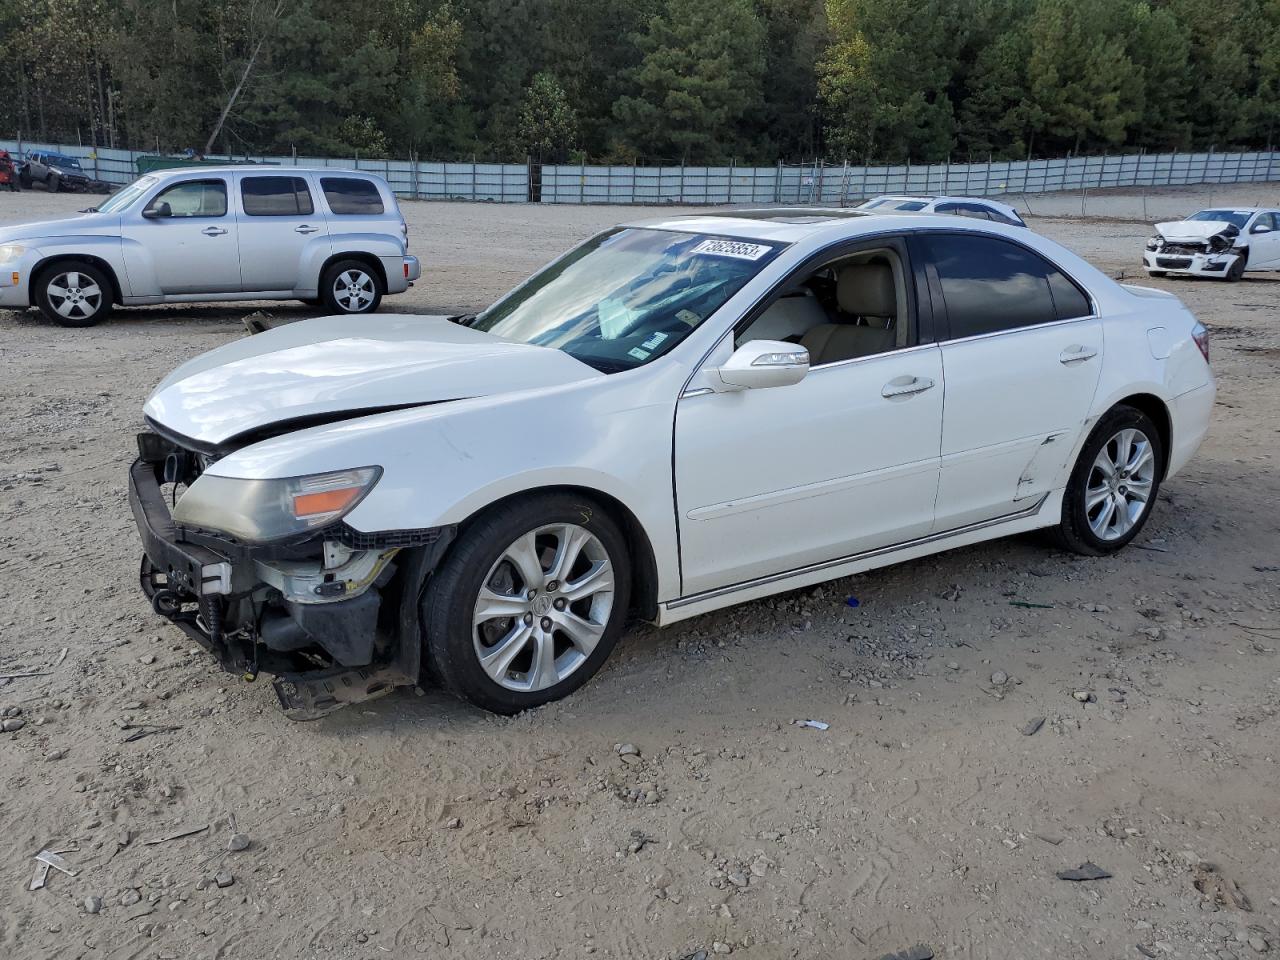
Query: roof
[256, 168]
[790, 225]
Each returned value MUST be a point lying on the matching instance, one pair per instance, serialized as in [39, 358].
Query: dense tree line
[884, 80]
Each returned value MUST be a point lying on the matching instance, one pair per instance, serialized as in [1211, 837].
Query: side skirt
[1044, 512]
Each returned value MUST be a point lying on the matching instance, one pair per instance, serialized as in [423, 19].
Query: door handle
[906, 386]
[304, 228]
[1077, 354]
[213, 231]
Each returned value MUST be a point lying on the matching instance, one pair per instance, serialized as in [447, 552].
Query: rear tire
[351, 286]
[528, 603]
[1114, 484]
[73, 294]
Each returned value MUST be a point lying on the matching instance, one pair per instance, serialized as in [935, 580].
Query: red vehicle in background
[8, 172]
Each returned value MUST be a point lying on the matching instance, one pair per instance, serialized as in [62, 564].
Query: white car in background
[979, 208]
[675, 416]
[1222, 244]
[197, 234]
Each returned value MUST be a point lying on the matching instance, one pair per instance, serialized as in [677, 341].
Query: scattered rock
[130, 897]
[454, 823]
[999, 678]
[55, 755]
[1084, 696]
[1220, 889]
[721, 947]
[147, 659]
[1032, 726]
[238, 842]
[952, 665]
[1258, 944]
[12, 724]
[92, 904]
[627, 750]
[223, 879]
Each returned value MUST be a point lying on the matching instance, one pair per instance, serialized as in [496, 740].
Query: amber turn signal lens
[326, 501]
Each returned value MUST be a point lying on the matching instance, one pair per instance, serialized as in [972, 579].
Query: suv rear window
[349, 195]
[276, 197]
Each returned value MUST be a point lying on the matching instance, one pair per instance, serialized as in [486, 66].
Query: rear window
[276, 197]
[352, 196]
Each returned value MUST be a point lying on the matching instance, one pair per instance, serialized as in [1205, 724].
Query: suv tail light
[1200, 334]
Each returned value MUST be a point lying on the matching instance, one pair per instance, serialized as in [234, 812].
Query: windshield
[58, 160]
[1237, 218]
[126, 196]
[627, 296]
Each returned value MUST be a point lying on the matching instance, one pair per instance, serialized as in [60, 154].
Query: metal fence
[817, 182]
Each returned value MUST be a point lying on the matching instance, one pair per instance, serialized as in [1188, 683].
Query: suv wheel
[73, 294]
[351, 286]
[51, 182]
[529, 602]
[1113, 485]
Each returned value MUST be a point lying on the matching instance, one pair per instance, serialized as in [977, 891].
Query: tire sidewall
[72, 266]
[448, 604]
[330, 277]
[1075, 521]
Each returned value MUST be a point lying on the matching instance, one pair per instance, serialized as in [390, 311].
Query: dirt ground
[927, 813]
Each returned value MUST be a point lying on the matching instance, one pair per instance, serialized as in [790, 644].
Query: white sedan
[978, 207]
[1220, 244]
[673, 417]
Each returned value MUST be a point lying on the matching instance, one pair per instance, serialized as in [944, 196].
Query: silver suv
[323, 236]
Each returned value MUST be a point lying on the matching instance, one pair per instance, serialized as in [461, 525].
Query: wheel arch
[368, 259]
[42, 267]
[1158, 411]
[644, 564]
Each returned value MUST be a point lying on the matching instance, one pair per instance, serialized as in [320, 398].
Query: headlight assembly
[1154, 243]
[11, 251]
[259, 511]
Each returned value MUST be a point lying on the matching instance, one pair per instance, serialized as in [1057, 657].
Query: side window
[990, 284]
[276, 197]
[192, 198]
[853, 306]
[1069, 300]
[349, 195]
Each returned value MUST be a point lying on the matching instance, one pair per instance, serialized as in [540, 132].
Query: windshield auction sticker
[731, 248]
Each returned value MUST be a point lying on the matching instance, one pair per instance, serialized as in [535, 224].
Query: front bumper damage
[333, 617]
[1195, 263]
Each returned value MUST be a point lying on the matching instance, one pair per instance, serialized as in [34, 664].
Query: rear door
[280, 228]
[1021, 357]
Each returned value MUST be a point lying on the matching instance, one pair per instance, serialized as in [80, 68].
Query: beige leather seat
[789, 316]
[864, 291]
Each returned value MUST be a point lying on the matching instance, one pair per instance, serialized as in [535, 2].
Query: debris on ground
[92, 904]
[258, 322]
[177, 835]
[815, 724]
[147, 730]
[238, 842]
[1032, 726]
[1220, 889]
[1086, 871]
[852, 602]
[1027, 605]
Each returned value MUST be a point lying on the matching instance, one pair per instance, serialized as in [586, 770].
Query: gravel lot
[416, 826]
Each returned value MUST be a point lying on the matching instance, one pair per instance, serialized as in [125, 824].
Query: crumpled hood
[332, 365]
[83, 225]
[1193, 231]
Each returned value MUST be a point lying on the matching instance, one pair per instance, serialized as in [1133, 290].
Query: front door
[183, 241]
[1021, 353]
[845, 461]
[280, 225]
[1264, 247]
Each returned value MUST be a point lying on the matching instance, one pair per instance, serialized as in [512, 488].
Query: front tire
[52, 183]
[351, 286]
[73, 294]
[1113, 485]
[1235, 272]
[529, 602]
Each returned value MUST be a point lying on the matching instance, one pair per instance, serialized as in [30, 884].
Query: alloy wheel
[354, 290]
[543, 607]
[74, 295]
[1118, 491]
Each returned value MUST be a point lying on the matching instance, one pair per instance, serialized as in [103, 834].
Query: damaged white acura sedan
[1219, 244]
[673, 417]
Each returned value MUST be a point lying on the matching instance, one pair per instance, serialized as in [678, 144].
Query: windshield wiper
[463, 319]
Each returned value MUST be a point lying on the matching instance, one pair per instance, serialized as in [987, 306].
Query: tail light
[1200, 334]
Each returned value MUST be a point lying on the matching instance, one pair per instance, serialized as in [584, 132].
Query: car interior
[852, 307]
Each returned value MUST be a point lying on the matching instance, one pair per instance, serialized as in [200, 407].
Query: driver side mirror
[765, 363]
[1260, 228]
[158, 211]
